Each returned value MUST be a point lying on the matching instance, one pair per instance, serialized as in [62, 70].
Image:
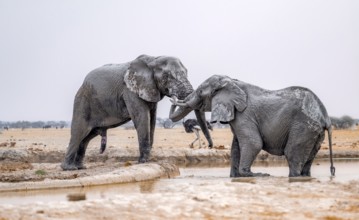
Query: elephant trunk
[186, 106]
[192, 102]
[183, 91]
[180, 113]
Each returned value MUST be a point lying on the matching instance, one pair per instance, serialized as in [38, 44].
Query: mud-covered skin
[288, 122]
[114, 94]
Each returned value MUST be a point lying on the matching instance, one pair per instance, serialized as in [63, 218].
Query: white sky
[47, 47]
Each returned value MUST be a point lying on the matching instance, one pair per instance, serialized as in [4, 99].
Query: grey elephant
[114, 94]
[290, 122]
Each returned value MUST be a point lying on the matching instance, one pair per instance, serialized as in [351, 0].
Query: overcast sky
[47, 47]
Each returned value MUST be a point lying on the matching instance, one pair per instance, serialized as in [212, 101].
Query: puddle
[346, 170]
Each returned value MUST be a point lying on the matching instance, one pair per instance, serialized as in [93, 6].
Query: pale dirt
[259, 198]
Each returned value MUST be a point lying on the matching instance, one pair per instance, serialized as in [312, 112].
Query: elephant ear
[140, 80]
[225, 101]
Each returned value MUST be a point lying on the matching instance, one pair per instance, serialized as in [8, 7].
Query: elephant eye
[165, 75]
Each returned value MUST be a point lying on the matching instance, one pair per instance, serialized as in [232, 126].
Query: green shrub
[40, 172]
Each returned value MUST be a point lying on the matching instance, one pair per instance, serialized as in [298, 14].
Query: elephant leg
[143, 134]
[249, 152]
[103, 133]
[316, 147]
[250, 144]
[142, 123]
[143, 115]
[82, 149]
[78, 134]
[235, 156]
[306, 168]
[299, 150]
[153, 114]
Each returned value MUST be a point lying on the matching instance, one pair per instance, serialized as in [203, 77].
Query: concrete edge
[135, 173]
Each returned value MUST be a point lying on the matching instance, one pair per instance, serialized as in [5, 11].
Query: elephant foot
[66, 166]
[143, 160]
[81, 167]
[248, 173]
[144, 157]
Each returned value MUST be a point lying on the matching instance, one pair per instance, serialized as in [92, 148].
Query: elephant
[114, 94]
[290, 122]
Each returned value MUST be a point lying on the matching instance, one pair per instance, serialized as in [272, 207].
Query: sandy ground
[33, 155]
[58, 139]
[266, 198]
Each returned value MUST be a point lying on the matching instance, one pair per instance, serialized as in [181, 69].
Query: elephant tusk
[173, 99]
[178, 102]
[182, 104]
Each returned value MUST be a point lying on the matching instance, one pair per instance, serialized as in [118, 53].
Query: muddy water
[346, 170]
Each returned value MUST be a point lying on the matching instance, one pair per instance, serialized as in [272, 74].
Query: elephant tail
[332, 168]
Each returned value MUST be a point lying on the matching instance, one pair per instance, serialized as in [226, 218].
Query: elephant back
[312, 107]
[106, 81]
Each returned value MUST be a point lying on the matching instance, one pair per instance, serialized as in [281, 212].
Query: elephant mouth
[185, 93]
[182, 94]
[171, 93]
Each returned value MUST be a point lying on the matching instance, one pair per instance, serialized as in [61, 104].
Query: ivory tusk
[181, 104]
[177, 102]
[173, 99]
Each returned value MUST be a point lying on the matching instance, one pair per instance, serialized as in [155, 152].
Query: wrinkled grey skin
[289, 122]
[114, 94]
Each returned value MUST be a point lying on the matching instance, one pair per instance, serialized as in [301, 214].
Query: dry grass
[58, 139]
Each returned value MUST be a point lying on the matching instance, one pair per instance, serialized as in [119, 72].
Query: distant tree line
[166, 123]
[344, 122]
[34, 124]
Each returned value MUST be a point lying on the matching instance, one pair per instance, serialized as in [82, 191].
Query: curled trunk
[185, 107]
[192, 103]
[180, 113]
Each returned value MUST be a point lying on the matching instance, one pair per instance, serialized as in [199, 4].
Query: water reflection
[346, 171]
[300, 179]
[251, 180]
[76, 197]
[147, 186]
[275, 163]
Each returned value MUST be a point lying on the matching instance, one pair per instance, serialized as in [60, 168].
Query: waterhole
[346, 170]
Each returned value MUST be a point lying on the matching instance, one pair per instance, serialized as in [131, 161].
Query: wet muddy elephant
[290, 122]
[114, 94]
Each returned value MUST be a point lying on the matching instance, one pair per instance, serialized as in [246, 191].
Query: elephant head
[151, 78]
[219, 94]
